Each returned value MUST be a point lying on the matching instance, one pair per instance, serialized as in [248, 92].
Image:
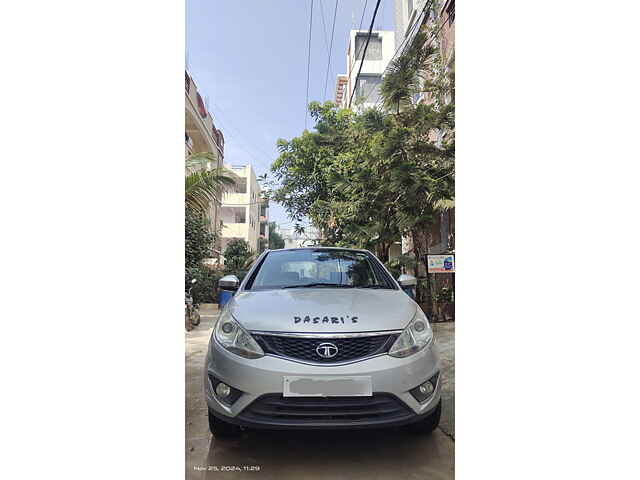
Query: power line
[324, 27]
[306, 105]
[364, 54]
[259, 150]
[355, 57]
[402, 45]
[326, 77]
[240, 140]
[418, 22]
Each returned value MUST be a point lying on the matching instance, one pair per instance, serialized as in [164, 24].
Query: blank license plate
[327, 387]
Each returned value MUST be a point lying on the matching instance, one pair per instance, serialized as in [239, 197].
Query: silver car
[321, 338]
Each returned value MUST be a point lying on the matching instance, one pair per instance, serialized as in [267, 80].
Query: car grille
[304, 348]
[274, 410]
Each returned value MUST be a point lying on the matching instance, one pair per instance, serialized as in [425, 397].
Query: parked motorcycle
[191, 309]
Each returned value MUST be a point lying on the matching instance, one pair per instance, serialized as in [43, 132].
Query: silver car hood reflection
[323, 310]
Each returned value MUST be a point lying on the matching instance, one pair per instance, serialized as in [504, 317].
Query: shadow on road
[370, 454]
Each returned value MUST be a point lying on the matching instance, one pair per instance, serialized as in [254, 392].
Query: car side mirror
[407, 280]
[229, 282]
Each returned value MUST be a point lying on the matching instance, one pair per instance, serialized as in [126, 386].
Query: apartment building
[293, 239]
[243, 210]
[365, 92]
[201, 135]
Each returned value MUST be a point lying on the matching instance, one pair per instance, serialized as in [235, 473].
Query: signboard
[441, 263]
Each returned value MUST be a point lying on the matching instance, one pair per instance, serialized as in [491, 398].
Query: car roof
[320, 247]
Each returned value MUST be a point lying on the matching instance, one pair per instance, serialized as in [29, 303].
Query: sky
[249, 57]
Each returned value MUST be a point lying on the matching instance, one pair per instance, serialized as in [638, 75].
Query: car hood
[323, 310]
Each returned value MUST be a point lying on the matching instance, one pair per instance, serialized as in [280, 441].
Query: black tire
[222, 429]
[428, 424]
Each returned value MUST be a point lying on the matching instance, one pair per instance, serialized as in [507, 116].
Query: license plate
[327, 387]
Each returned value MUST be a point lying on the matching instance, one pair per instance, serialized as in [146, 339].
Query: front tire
[427, 425]
[220, 428]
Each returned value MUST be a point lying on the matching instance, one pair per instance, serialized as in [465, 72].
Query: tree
[237, 257]
[204, 187]
[275, 239]
[198, 239]
[367, 178]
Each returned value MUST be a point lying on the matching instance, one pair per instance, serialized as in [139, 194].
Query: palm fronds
[204, 187]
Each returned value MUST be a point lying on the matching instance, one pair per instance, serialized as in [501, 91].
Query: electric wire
[326, 77]
[306, 104]
[364, 53]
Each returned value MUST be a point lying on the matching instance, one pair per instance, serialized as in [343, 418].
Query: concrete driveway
[366, 454]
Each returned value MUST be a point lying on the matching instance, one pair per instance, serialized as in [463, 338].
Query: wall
[250, 201]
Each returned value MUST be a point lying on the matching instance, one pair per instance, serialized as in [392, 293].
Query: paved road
[365, 454]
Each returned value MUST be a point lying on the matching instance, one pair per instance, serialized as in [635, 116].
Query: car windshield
[319, 268]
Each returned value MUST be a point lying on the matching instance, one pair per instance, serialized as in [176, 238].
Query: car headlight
[236, 339]
[414, 338]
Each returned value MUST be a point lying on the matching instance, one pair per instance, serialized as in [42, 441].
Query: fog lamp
[426, 388]
[424, 391]
[223, 390]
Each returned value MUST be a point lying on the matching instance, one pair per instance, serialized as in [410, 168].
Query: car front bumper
[261, 383]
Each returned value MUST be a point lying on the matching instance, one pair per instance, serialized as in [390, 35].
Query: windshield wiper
[373, 286]
[319, 284]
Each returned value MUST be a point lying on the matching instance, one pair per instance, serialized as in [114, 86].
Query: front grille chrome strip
[327, 335]
[323, 364]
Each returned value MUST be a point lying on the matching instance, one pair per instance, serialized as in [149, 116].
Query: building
[264, 225]
[367, 89]
[293, 239]
[243, 211]
[201, 135]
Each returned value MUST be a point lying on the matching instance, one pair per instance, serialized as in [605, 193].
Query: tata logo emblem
[327, 350]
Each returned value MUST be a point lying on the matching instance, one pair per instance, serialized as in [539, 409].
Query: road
[364, 454]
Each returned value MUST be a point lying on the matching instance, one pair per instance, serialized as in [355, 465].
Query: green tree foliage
[198, 239]
[202, 186]
[237, 257]
[205, 288]
[275, 239]
[366, 178]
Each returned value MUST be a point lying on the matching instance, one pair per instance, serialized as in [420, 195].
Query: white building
[292, 239]
[243, 211]
[379, 52]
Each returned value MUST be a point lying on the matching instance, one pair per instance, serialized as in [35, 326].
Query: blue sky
[249, 57]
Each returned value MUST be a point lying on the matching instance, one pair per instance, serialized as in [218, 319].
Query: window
[310, 267]
[241, 185]
[233, 215]
[374, 50]
[368, 88]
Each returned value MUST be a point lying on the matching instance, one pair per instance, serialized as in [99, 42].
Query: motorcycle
[191, 309]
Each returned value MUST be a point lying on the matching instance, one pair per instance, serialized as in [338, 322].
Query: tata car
[321, 338]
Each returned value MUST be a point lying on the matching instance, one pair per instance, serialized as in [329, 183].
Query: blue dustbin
[223, 297]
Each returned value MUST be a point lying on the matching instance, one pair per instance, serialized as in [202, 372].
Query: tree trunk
[420, 244]
[428, 282]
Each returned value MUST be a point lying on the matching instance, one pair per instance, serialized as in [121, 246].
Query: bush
[205, 289]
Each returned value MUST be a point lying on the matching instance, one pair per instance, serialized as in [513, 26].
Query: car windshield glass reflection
[318, 268]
